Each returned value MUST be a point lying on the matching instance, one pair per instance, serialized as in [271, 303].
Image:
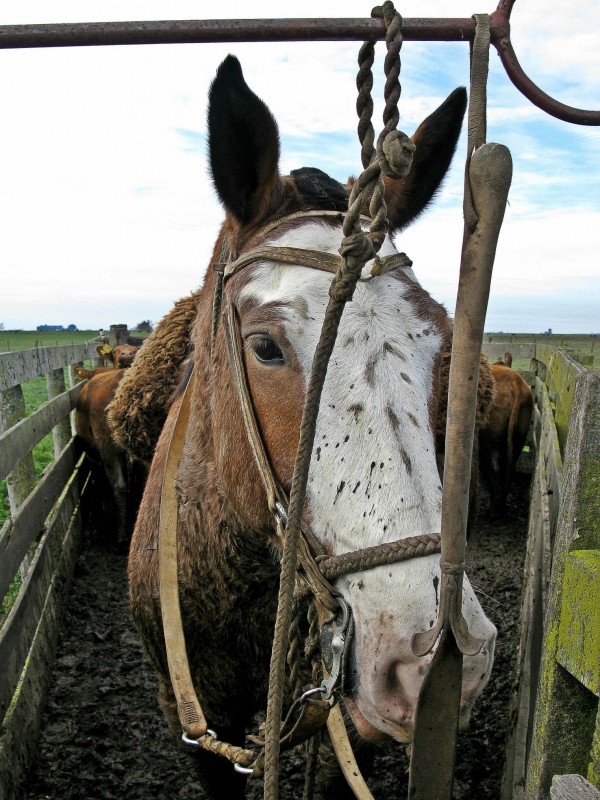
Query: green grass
[11, 341]
[35, 394]
[9, 599]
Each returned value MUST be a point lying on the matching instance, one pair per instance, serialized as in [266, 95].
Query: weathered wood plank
[572, 787]
[579, 630]
[20, 727]
[23, 478]
[560, 379]
[16, 368]
[19, 628]
[17, 536]
[565, 711]
[518, 350]
[22, 437]
[536, 575]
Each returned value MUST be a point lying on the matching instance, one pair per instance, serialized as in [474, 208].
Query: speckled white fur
[373, 475]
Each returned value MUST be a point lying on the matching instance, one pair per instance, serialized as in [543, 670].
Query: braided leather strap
[380, 554]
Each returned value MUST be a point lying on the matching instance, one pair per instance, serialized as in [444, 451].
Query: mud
[104, 738]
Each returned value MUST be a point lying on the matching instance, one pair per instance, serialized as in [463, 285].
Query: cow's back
[90, 413]
[503, 437]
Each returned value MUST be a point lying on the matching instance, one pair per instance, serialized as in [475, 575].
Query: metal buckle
[334, 638]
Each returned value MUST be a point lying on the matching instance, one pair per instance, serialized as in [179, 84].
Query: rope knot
[450, 569]
[356, 249]
[396, 154]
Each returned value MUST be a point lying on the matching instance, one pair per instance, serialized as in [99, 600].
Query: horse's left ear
[243, 142]
[435, 141]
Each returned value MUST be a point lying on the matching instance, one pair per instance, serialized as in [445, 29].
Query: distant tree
[1, 326]
[72, 327]
[145, 326]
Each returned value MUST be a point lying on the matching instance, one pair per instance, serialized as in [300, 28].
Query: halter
[315, 568]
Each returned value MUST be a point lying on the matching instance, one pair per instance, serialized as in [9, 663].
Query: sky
[108, 214]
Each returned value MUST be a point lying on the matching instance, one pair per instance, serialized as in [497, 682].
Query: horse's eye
[266, 351]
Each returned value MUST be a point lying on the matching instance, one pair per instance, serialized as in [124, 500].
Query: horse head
[373, 476]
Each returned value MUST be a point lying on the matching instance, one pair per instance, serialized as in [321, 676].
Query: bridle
[316, 569]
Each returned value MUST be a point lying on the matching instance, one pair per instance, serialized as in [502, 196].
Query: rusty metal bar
[500, 37]
[86, 34]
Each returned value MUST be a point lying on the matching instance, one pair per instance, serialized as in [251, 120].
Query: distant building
[46, 328]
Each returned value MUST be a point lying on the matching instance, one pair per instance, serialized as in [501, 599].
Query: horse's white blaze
[373, 475]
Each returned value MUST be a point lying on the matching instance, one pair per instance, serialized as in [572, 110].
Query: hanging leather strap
[345, 755]
[190, 713]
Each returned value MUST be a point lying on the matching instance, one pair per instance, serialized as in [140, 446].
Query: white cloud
[107, 212]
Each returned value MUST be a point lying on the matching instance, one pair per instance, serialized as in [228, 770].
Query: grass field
[10, 341]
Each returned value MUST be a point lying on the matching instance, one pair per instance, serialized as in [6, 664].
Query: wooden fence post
[55, 382]
[23, 478]
[118, 335]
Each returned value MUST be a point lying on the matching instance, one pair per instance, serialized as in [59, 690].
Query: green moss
[579, 629]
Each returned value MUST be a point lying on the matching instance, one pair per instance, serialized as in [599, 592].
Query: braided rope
[312, 763]
[294, 650]
[357, 248]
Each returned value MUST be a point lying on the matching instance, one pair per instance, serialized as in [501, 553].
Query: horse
[373, 475]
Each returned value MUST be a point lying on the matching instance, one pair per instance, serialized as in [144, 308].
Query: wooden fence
[38, 542]
[555, 724]
[555, 728]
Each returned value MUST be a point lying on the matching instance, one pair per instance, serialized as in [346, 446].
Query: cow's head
[120, 356]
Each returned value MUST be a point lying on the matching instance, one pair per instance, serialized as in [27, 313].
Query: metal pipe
[500, 30]
[85, 34]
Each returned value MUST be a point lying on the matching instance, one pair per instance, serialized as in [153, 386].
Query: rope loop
[396, 154]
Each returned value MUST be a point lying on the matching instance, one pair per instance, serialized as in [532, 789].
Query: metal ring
[196, 742]
[309, 692]
[242, 770]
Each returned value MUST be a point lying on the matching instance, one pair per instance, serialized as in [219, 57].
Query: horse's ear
[243, 143]
[435, 141]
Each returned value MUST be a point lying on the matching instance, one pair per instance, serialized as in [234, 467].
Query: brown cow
[502, 438]
[86, 374]
[92, 428]
[120, 356]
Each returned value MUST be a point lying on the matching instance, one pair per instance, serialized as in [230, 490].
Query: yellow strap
[345, 756]
[188, 706]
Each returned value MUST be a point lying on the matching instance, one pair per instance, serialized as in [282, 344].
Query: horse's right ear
[243, 142]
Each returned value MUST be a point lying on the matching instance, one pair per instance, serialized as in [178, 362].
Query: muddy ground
[103, 735]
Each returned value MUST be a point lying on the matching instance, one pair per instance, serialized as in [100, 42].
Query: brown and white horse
[373, 476]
